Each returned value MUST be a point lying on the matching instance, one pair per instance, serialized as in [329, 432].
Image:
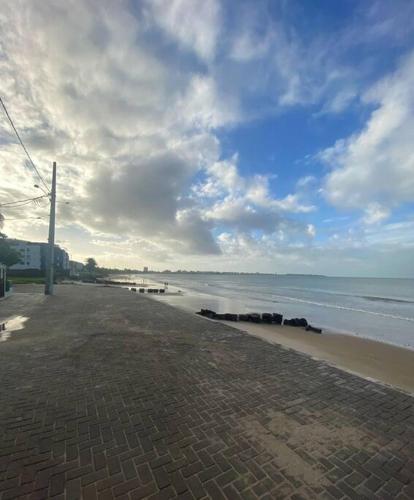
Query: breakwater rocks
[148, 290]
[269, 318]
[110, 282]
[296, 322]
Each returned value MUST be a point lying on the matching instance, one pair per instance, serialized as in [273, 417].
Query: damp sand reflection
[11, 325]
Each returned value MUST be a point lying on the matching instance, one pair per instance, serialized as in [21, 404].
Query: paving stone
[178, 483]
[126, 487]
[161, 478]
[213, 490]
[73, 489]
[196, 487]
[165, 494]
[232, 494]
[128, 468]
[57, 484]
[89, 492]
[373, 483]
[393, 487]
[209, 473]
[143, 491]
[354, 479]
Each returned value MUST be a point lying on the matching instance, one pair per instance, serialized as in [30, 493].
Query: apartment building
[34, 257]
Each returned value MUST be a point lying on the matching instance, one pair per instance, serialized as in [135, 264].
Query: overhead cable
[24, 147]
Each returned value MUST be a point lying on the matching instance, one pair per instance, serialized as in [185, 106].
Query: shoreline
[371, 359]
[195, 299]
[374, 360]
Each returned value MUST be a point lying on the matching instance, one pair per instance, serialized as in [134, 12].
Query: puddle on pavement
[11, 325]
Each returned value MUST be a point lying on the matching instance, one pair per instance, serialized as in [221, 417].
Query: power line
[23, 202]
[18, 205]
[23, 146]
[21, 205]
[24, 218]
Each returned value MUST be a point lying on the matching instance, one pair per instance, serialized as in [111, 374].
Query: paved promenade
[107, 394]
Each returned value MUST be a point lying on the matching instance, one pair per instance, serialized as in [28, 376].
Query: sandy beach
[385, 363]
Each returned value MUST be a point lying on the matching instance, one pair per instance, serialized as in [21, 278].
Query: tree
[91, 265]
[8, 255]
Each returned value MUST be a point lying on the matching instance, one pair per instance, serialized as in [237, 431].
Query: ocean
[375, 308]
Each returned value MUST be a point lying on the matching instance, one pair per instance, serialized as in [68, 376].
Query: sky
[262, 136]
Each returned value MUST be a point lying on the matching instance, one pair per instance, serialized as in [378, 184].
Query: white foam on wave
[353, 309]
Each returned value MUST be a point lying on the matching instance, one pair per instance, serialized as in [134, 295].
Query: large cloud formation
[130, 120]
[374, 169]
[130, 99]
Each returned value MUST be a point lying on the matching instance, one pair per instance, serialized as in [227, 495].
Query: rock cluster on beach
[269, 318]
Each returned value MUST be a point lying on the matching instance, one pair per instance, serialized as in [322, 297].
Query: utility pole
[50, 259]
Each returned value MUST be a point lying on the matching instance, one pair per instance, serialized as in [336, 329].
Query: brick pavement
[106, 394]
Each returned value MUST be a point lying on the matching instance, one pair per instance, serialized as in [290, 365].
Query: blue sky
[271, 136]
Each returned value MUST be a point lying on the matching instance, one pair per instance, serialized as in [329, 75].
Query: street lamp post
[50, 261]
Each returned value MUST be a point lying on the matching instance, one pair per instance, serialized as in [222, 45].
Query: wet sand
[385, 363]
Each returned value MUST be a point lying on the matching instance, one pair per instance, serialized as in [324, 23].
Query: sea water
[376, 308]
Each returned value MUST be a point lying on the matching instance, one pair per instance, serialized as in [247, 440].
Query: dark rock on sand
[296, 322]
[267, 317]
[207, 313]
[243, 317]
[231, 317]
[311, 328]
[277, 318]
[254, 317]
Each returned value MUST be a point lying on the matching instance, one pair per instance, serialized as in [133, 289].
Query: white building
[65, 260]
[33, 256]
[75, 267]
[30, 255]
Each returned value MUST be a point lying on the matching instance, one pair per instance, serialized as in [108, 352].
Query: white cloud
[222, 178]
[311, 230]
[377, 165]
[125, 160]
[391, 236]
[292, 203]
[202, 106]
[305, 181]
[195, 24]
[245, 204]
[375, 213]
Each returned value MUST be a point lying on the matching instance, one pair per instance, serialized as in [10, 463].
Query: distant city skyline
[252, 136]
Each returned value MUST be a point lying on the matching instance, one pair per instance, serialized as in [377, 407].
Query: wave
[354, 309]
[260, 298]
[231, 290]
[375, 298]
